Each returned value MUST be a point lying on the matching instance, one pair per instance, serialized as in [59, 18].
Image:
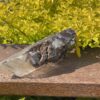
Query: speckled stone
[71, 77]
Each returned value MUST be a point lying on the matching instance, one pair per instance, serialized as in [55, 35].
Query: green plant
[24, 22]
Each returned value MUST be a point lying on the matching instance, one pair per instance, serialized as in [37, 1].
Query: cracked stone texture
[71, 77]
[53, 48]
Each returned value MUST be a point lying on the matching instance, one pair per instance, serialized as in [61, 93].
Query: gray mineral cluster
[52, 48]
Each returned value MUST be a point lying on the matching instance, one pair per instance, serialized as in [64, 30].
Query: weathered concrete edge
[50, 89]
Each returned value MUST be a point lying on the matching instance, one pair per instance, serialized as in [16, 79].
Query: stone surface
[71, 77]
[53, 48]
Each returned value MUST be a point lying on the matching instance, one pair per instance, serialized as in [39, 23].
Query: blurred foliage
[27, 21]
[43, 98]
